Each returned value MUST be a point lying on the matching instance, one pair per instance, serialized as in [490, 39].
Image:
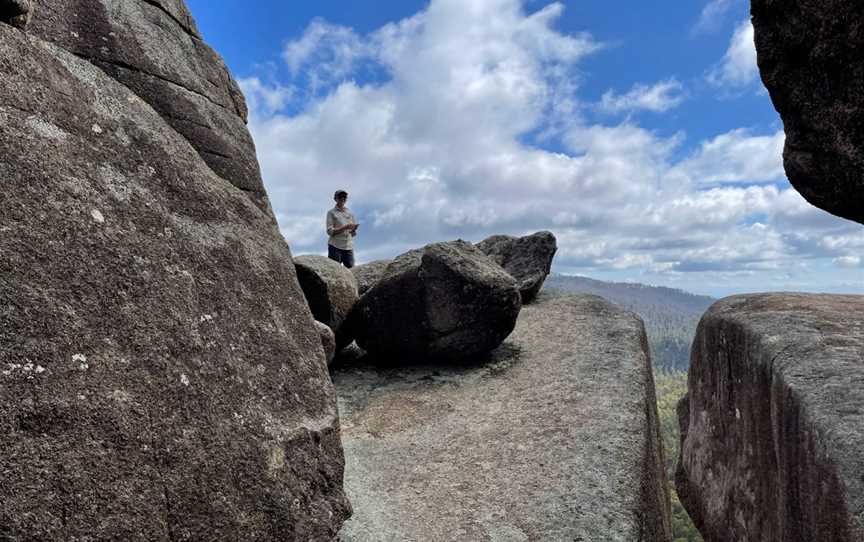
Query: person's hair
[340, 194]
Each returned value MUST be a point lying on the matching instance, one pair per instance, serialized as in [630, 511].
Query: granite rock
[446, 300]
[527, 258]
[160, 373]
[552, 436]
[15, 12]
[811, 57]
[154, 48]
[331, 290]
[369, 274]
[328, 341]
[772, 426]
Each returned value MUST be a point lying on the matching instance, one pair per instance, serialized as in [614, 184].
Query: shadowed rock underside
[811, 57]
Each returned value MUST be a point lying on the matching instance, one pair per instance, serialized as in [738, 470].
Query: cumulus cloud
[738, 67]
[436, 147]
[658, 98]
[737, 156]
[712, 15]
[263, 98]
[848, 261]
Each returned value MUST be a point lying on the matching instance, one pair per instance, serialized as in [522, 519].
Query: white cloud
[738, 67]
[848, 261]
[266, 99]
[658, 98]
[437, 149]
[737, 156]
[325, 53]
[712, 15]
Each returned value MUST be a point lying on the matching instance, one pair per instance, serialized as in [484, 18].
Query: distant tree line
[670, 315]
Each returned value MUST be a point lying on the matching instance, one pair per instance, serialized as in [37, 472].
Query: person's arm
[331, 224]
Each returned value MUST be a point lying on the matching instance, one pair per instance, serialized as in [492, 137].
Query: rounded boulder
[443, 301]
[330, 290]
[369, 273]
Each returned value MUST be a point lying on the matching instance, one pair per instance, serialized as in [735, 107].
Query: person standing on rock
[341, 229]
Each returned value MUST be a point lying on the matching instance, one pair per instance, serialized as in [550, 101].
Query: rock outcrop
[160, 373]
[446, 300]
[331, 290]
[154, 48]
[811, 57]
[772, 427]
[554, 436]
[369, 274]
[528, 258]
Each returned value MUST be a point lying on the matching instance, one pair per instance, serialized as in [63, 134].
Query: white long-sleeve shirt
[339, 217]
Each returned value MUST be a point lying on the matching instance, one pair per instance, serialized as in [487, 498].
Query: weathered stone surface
[369, 273]
[15, 12]
[331, 290]
[328, 340]
[554, 436]
[528, 258]
[153, 47]
[773, 425]
[160, 373]
[445, 300]
[811, 57]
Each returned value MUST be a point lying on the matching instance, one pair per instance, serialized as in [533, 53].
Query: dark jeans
[345, 257]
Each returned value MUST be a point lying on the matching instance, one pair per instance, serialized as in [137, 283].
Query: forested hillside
[670, 315]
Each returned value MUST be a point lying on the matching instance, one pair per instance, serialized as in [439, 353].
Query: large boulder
[445, 300]
[331, 290]
[161, 374]
[154, 48]
[772, 426]
[555, 436]
[811, 57]
[369, 274]
[528, 258]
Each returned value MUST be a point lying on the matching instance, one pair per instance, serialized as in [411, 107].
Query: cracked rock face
[772, 426]
[161, 376]
[154, 48]
[445, 300]
[811, 57]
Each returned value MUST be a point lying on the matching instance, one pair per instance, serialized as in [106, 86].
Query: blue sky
[637, 132]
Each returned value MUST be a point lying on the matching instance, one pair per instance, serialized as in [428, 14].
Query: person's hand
[354, 227]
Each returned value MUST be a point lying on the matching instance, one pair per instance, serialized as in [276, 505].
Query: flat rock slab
[553, 436]
[772, 428]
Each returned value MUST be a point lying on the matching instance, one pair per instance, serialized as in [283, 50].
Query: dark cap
[340, 194]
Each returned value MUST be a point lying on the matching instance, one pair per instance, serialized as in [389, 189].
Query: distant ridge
[670, 314]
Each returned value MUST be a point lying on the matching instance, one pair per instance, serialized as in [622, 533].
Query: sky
[639, 133]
